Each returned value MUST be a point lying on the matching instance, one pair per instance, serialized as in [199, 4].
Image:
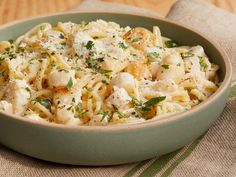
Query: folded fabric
[216, 23]
[212, 155]
[96, 5]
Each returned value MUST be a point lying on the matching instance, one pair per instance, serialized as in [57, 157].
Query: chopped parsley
[101, 59]
[79, 107]
[171, 44]
[104, 82]
[12, 55]
[94, 65]
[90, 62]
[77, 69]
[83, 23]
[79, 111]
[103, 71]
[60, 70]
[63, 43]
[178, 64]
[165, 66]
[11, 41]
[187, 54]
[7, 49]
[42, 28]
[120, 114]
[53, 64]
[104, 114]
[136, 39]
[142, 109]
[202, 63]
[45, 102]
[61, 36]
[89, 89]
[9, 53]
[69, 84]
[73, 99]
[27, 89]
[154, 101]
[189, 88]
[20, 49]
[89, 45]
[154, 55]
[122, 45]
[1, 59]
[69, 108]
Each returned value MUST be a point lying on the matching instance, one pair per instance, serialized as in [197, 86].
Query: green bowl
[116, 144]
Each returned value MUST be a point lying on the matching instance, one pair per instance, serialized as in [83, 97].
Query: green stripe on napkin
[135, 168]
[233, 89]
[154, 168]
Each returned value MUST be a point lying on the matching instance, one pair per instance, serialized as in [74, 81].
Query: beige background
[18, 9]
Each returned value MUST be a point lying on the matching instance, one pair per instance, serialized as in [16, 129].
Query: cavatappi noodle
[99, 73]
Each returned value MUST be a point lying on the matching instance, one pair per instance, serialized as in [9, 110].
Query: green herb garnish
[122, 45]
[120, 114]
[93, 65]
[165, 66]
[142, 109]
[104, 82]
[27, 89]
[171, 44]
[61, 36]
[79, 111]
[187, 54]
[20, 49]
[202, 63]
[45, 102]
[63, 43]
[154, 55]
[89, 45]
[69, 84]
[103, 71]
[69, 108]
[11, 55]
[136, 39]
[154, 101]
[89, 89]
[11, 41]
[1, 59]
[90, 62]
[42, 28]
[104, 114]
[83, 23]
[61, 70]
[53, 64]
[77, 68]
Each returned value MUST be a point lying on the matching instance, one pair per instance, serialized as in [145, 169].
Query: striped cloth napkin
[211, 155]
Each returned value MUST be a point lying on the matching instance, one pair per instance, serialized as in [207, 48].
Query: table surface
[17, 9]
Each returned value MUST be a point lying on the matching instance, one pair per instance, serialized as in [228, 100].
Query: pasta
[99, 73]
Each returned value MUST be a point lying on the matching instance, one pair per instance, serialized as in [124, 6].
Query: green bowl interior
[180, 34]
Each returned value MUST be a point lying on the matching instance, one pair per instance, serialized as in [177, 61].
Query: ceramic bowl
[117, 144]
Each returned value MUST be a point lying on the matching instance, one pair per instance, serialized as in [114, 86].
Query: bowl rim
[134, 126]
